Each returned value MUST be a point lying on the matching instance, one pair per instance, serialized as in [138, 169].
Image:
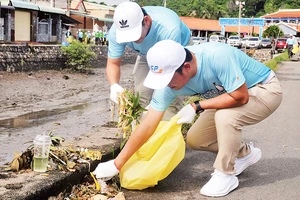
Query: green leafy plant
[129, 113]
[78, 56]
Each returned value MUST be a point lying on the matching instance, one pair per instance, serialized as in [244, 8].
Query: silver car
[253, 42]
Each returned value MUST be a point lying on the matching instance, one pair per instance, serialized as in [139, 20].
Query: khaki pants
[220, 131]
[140, 72]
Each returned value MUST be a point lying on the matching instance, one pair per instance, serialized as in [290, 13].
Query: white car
[253, 42]
[244, 40]
[234, 41]
[199, 40]
[217, 38]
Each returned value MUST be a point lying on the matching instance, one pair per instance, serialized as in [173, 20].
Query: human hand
[106, 170]
[115, 90]
[186, 114]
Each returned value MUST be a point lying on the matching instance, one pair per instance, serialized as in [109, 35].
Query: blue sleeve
[162, 99]
[115, 50]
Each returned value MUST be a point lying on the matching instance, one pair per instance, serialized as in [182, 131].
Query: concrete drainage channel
[38, 186]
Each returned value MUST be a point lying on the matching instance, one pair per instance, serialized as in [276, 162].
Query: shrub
[78, 56]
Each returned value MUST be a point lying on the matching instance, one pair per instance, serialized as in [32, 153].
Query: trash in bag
[295, 49]
[156, 159]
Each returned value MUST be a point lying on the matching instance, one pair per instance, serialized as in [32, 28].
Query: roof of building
[213, 25]
[78, 7]
[294, 27]
[284, 13]
[52, 10]
[22, 4]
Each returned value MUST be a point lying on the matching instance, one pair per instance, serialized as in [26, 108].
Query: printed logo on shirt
[234, 79]
[154, 100]
[123, 23]
[156, 69]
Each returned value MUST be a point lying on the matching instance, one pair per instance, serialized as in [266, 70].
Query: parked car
[199, 40]
[217, 38]
[235, 41]
[253, 42]
[266, 43]
[280, 44]
[244, 40]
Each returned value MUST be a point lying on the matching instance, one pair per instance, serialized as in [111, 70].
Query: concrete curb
[38, 186]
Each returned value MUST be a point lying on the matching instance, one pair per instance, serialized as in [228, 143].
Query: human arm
[140, 135]
[236, 98]
[113, 71]
[113, 75]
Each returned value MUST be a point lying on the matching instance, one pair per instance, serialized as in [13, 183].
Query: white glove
[186, 114]
[115, 90]
[106, 170]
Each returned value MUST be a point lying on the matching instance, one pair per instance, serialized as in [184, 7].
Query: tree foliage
[273, 32]
[214, 9]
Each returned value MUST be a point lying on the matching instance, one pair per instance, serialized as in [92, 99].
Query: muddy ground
[64, 102]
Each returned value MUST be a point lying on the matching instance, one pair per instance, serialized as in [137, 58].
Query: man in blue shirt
[236, 90]
[290, 43]
[80, 35]
[139, 29]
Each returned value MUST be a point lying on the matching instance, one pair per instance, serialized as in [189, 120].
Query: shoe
[242, 163]
[220, 184]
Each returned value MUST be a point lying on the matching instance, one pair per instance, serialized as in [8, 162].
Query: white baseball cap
[128, 19]
[164, 58]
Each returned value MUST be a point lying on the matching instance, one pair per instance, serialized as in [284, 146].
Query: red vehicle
[280, 44]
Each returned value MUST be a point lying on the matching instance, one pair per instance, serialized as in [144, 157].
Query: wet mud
[65, 103]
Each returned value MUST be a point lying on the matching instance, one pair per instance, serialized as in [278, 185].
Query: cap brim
[129, 35]
[158, 81]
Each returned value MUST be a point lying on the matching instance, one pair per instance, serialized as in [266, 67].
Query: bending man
[139, 29]
[237, 91]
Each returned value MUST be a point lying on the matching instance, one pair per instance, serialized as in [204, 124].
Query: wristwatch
[199, 109]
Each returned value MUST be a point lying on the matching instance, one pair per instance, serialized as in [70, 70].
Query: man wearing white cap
[139, 29]
[290, 43]
[236, 90]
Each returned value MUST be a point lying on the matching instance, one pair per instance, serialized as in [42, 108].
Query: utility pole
[239, 3]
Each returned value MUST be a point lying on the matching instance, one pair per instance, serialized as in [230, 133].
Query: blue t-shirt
[80, 34]
[290, 41]
[165, 25]
[221, 68]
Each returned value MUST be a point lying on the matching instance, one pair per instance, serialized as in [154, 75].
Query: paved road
[275, 176]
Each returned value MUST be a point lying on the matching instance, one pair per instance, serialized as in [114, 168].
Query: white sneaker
[220, 184]
[242, 163]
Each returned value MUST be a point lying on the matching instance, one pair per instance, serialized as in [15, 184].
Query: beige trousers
[140, 72]
[220, 131]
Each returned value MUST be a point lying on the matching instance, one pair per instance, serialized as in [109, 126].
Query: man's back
[165, 25]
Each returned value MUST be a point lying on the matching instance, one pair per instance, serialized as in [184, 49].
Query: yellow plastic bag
[156, 159]
[295, 49]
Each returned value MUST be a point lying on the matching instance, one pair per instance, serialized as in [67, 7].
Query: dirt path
[64, 102]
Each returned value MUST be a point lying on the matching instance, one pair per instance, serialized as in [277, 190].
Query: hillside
[214, 9]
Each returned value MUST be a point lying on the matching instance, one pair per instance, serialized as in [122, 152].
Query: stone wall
[262, 55]
[32, 58]
[37, 57]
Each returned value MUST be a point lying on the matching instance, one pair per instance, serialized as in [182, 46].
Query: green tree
[273, 32]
